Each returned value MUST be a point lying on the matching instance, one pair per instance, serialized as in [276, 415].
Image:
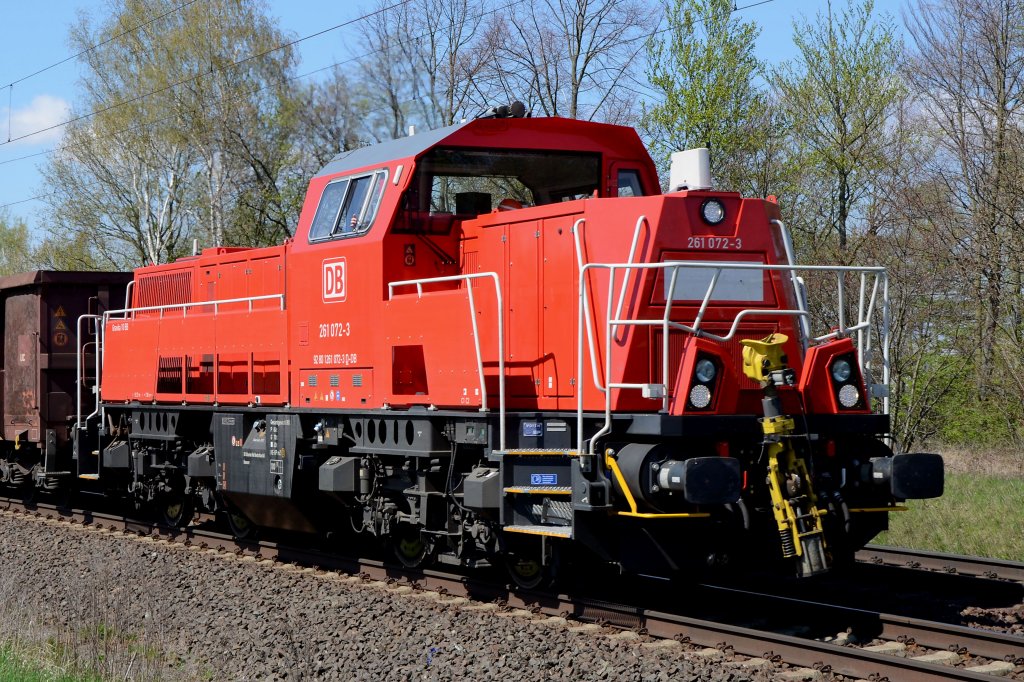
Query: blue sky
[33, 36]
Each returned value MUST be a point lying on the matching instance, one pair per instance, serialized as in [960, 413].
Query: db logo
[334, 275]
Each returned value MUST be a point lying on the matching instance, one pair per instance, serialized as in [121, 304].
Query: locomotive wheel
[241, 527]
[175, 511]
[527, 569]
[410, 547]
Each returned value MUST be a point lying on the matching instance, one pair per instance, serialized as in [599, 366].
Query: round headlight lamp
[849, 395]
[712, 211]
[841, 370]
[700, 396]
[705, 371]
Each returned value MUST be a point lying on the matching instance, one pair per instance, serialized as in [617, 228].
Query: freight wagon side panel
[40, 332]
[21, 373]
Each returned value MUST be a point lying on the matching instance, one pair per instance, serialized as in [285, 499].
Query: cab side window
[629, 184]
[348, 206]
[327, 211]
[350, 218]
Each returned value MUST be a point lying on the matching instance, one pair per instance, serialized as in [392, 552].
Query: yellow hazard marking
[60, 312]
[60, 326]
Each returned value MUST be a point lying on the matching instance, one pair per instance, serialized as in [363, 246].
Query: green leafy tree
[968, 73]
[704, 71]
[15, 245]
[840, 95]
[185, 132]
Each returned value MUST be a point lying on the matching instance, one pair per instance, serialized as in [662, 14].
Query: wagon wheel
[176, 510]
[241, 527]
[409, 546]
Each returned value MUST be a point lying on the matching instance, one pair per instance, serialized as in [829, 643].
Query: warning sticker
[61, 337]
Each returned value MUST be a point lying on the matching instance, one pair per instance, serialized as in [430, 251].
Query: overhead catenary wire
[224, 100]
[10, 86]
[54, 150]
[102, 43]
[191, 79]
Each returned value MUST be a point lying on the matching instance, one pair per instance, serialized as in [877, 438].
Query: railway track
[946, 563]
[883, 646]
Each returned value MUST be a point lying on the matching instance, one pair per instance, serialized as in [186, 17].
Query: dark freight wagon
[39, 362]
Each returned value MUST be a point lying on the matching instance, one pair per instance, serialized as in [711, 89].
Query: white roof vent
[690, 170]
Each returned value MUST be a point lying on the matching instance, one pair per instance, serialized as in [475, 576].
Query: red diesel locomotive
[500, 340]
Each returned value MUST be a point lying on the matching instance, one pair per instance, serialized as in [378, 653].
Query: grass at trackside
[979, 514]
[23, 666]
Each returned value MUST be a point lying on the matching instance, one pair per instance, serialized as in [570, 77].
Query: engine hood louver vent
[172, 288]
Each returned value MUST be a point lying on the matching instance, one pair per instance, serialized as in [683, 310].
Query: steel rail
[747, 641]
[981, 567]
[999, 646]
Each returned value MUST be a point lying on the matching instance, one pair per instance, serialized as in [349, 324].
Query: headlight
[700, 396]
[841, 370]
[712, 211]
[704, 371]
[848, 395]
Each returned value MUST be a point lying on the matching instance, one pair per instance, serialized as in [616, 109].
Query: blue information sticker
[533, 429]
[543, 479]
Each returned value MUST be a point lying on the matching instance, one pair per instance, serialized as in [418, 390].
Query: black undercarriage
[438, 486]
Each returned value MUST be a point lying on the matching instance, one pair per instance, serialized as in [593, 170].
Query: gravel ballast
[197, 614]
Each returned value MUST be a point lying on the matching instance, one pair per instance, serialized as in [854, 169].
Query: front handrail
[866, 312]
[787, 246]
[468, 279]
[640, 222]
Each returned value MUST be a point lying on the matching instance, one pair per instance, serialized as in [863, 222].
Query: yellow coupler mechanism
[793, 500]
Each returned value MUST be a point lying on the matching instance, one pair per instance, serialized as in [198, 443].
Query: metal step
[526, 452]
[538, 490]
[89, 477]
[552, 531]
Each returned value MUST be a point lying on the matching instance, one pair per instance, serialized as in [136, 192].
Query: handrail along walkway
[468, 279]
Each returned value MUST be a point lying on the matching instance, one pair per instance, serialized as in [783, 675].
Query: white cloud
[43, 112]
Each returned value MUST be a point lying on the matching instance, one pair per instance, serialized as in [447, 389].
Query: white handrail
[78, 371]
[586, 319]
[418, 283]
[863, 324]
[632, 254]
[787, 245]
[128, 294]
[194, 304]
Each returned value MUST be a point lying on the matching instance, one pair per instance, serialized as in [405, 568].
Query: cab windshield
[463, 183]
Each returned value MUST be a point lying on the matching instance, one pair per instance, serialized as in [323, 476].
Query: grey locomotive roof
[378, 154]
